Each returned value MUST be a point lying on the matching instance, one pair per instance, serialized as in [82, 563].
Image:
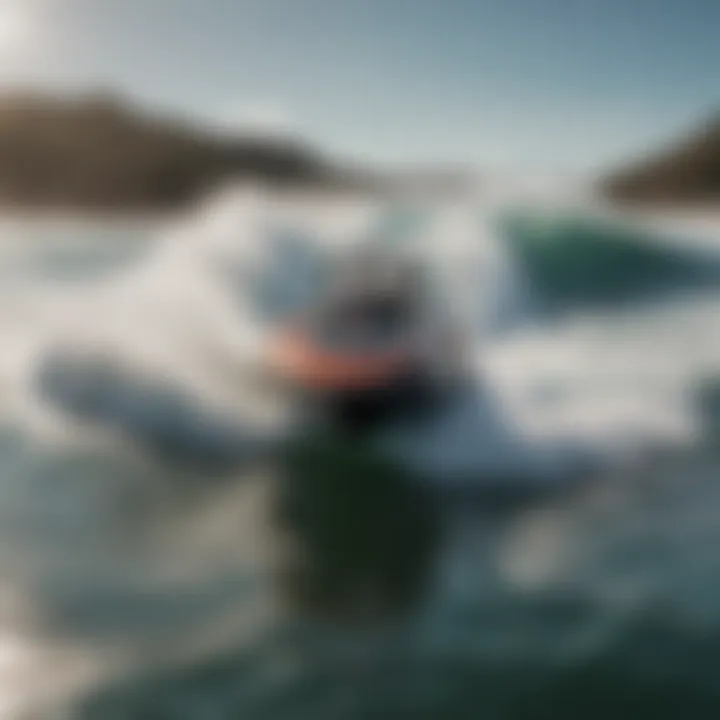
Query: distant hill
[688, 172]
[99, 152]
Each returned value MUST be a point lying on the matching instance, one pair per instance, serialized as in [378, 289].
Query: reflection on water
[349, 545]
[361, 534]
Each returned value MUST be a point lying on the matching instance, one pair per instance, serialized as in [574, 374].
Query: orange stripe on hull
[299, 361]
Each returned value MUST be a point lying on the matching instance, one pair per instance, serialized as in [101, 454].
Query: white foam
[187, 312]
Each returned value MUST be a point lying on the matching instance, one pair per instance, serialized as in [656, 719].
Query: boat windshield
[366, 321]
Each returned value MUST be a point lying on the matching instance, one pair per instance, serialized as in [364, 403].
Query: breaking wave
[582, 261]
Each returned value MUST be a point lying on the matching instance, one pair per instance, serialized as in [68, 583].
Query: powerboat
[376, 344]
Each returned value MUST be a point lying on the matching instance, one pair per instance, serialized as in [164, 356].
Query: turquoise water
[558, 559]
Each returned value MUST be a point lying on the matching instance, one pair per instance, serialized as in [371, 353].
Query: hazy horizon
[561, 86]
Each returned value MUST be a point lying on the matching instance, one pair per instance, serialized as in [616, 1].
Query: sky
[535, 85]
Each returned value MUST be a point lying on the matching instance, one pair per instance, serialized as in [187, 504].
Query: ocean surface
[176, 543]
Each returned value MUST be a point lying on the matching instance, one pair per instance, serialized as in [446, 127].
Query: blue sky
[543, 85]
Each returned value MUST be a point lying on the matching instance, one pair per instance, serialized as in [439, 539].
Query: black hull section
[410, 396]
